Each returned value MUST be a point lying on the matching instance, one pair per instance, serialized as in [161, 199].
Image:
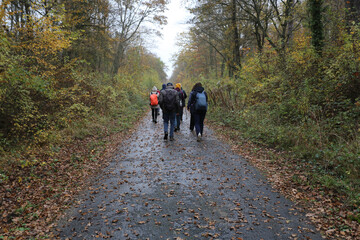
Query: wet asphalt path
[182, 190]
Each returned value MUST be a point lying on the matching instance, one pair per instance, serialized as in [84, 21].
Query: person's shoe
[198, 137]
[191, 130]
[155, 121]
[175, 129]
[166, 136]
[171, 138]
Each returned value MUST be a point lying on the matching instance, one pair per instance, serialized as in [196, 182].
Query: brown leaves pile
[34, 197]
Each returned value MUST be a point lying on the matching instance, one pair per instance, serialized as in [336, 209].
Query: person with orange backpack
[154, 103]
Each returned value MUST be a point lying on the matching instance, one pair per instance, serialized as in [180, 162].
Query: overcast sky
[166, 47]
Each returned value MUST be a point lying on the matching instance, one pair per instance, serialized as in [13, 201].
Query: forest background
[280, 73]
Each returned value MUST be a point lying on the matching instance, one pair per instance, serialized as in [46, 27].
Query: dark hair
[196, 86]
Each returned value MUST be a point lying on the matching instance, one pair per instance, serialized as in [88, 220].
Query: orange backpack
[154, 99]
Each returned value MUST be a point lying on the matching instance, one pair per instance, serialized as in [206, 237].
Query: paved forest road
[182, 190]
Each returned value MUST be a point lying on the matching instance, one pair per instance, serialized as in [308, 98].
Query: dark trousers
[181, 113]
[154, 112]
[199, 118]
[192, 121]
[178, 119]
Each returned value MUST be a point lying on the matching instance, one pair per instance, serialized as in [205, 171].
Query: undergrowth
[334, 165]
[306, 105]
[44, 163]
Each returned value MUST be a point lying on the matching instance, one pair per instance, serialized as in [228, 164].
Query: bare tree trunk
[259, 38]
[236, 47]
[291, 23]
[211, 58]
[222, 68]
[216, 64]
[118, 58]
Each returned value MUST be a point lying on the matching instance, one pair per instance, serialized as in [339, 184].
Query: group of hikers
[171, 100]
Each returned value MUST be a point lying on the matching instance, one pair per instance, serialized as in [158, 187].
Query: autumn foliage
[64, 87]
[297, 89]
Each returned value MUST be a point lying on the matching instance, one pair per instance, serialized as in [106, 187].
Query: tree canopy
[57, 58]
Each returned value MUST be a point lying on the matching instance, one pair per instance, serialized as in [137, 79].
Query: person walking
[183, 101]
[178, 118]
[199, 101]
[154, 103]
[169, 103]
[190, 108]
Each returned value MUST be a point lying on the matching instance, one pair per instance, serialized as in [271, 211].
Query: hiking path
[182, 189]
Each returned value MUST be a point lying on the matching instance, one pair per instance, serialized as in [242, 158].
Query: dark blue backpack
[200, 104]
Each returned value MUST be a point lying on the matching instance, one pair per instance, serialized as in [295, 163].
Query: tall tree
[129, 16]
[257, 14]
[283, 22]
[216, 24]
[236, 42]
[316, 24]
[89, 23]
[35, 34]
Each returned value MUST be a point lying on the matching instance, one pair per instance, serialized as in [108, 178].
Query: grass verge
[331, 202]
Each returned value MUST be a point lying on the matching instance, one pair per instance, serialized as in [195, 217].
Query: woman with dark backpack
[198, 102]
